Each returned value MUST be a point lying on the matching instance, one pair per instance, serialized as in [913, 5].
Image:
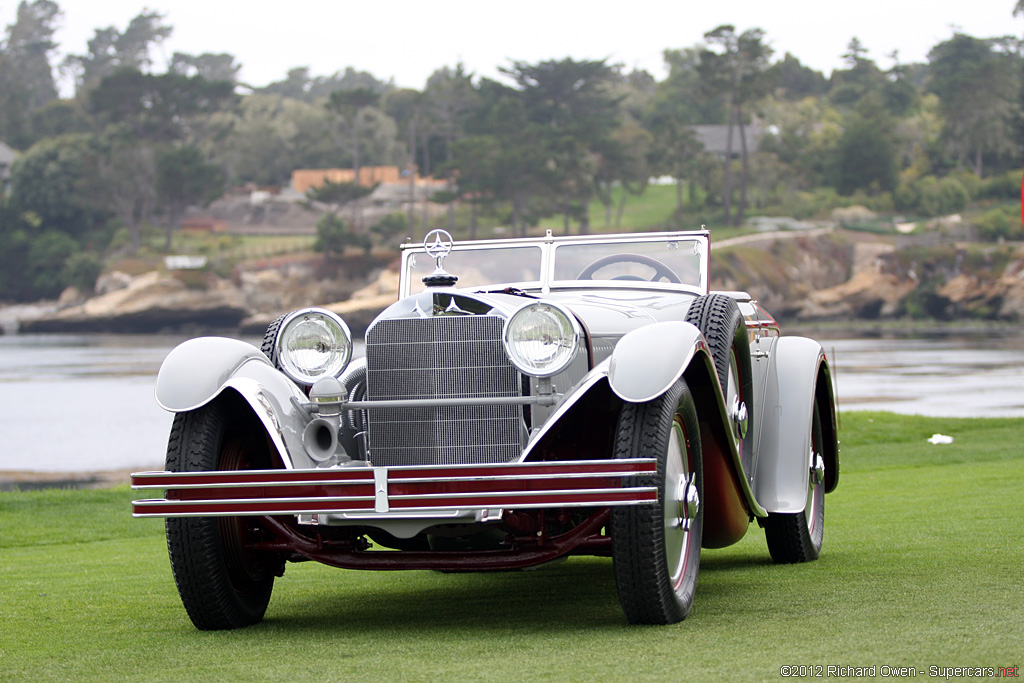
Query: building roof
[715, 138]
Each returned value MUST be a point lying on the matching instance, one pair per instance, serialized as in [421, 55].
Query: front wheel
[656, 548]
[223, 583]
[798, 537]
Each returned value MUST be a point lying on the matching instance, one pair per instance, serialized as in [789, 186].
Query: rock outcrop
[151, 302]
[841, 277]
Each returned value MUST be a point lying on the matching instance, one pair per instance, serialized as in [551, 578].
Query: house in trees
[715, 139]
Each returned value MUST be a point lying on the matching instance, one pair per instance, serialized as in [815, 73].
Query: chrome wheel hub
[739, 417]
[689, 502]
[817, 469]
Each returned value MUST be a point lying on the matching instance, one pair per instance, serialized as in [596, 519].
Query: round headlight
[313, 343]
[541, 339]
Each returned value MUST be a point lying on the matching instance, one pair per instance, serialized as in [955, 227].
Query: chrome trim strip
[329, 505]
[367, 475]
[543, 400]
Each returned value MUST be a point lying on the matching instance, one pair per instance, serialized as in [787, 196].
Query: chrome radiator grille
[442, 357]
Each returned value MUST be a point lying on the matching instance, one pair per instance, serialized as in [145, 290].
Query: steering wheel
[660, 269]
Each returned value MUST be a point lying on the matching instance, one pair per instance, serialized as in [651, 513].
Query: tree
[163, 107]
[210, 66]
[739, 69]
[339, 194]
[111, 50]
[183, 179]
[299, 84]
[574, 111]
[681, 101]
[47, 180]
[978, 89]
[333, 235]
[449, 98]
[26, 77]
[349, 107]
[796, 81]
[867, 153]
[125, 183]
[269, 136]
[623, 163]
[477, 160]
[406, 107]
[861, 78]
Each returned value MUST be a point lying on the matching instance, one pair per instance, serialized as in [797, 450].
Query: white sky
[407, 40]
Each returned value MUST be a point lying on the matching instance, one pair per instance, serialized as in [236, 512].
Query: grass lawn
[921, 567]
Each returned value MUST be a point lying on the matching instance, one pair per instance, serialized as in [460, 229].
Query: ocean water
[83, 403]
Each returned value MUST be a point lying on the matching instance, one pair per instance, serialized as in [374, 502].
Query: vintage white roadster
[554, 396]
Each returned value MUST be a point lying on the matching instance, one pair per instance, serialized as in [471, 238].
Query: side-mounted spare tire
[718, 317]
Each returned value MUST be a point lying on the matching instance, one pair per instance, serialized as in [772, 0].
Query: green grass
[921, 567]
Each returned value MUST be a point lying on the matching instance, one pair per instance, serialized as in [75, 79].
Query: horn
[320, 438]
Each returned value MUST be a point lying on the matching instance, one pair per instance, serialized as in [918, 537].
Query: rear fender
[199, 370]
[797, 377]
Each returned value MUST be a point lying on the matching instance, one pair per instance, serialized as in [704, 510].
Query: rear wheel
[656, 548]
[798, 537]
[223, 583]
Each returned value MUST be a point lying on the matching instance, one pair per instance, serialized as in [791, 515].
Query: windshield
[674, 262]
[478, 267]
[661, 259]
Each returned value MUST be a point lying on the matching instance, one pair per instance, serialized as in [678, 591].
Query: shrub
[1001, 222]
[82, 269]
[333, 235]
[391, 226]
[1005, 186]
[930, 196]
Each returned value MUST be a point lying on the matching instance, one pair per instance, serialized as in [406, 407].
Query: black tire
[656, 557]
[268, 347]
[719, 318]
[798, 537]
[222, 583]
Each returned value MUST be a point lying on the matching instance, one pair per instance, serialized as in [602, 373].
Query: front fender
[195, 371]
[649, 360]
[783, 458]
[199, 370]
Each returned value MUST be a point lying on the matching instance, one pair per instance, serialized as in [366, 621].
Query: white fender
[195, 371]
[648, 360]
[199, 370]
[783, 454]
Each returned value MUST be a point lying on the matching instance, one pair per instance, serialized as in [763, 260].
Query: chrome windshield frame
[549, 244]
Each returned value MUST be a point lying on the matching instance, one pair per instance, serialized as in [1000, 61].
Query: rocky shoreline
[202, 302]
[813, 277]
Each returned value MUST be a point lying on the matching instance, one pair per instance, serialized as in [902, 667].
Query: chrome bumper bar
[412, 489]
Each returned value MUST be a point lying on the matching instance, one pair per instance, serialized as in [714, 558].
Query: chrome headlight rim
[570, 342]
[341, 338]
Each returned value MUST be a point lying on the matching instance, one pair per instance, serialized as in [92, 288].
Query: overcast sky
[406, 41]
